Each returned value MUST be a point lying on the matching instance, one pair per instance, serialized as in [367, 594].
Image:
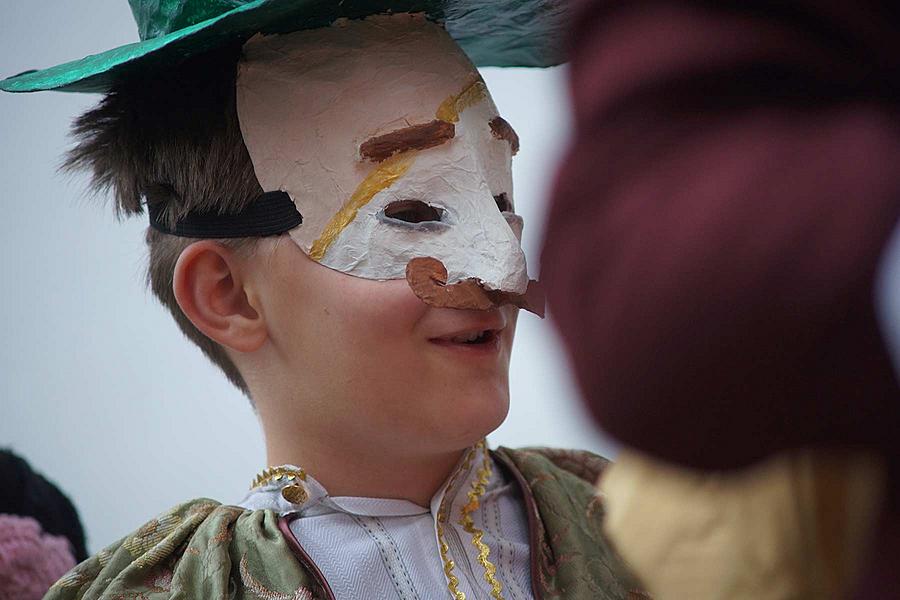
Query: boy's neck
[348, 471]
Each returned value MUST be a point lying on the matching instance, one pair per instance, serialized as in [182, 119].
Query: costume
[392, 548]
[713, 250]
[202, 549]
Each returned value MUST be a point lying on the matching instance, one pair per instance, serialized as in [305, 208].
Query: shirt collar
[462, 480]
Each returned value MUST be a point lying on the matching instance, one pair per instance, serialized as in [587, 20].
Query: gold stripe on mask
[381, 178]
[392, 169]
[471, 95]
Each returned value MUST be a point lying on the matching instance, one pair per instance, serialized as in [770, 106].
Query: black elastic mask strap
[272, 213]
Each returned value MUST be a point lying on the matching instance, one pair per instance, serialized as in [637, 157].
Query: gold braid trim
[478, 488]
[275, 473]
[449, 565]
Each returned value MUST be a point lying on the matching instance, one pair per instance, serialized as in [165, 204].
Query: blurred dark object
[27, 494]
[717, 225]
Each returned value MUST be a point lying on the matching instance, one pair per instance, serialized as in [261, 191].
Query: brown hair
[172, 137]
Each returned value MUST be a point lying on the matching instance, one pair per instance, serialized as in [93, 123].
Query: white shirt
[387, 549]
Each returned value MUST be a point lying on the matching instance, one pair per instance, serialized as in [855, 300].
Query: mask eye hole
[503, 202]
[413, 211]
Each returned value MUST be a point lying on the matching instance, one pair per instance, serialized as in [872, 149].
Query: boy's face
[390, 146]
[369, 363]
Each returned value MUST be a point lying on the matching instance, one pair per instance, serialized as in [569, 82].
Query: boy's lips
[485, 335]
[467, 336]
[486, 341]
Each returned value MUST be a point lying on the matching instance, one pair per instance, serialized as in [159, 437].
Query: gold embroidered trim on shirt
[295, 492]
[273, 474]
[449, 565]
[478, 490]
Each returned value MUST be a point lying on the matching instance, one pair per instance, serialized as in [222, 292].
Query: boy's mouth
[481, 339]
[478, 337]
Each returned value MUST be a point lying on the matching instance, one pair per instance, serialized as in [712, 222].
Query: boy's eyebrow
[414, 137]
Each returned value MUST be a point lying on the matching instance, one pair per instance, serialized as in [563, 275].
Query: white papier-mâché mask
[385, 137]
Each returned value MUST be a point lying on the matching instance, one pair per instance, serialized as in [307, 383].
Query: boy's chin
[474, 413]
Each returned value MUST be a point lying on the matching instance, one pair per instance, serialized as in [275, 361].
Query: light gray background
[100, 390]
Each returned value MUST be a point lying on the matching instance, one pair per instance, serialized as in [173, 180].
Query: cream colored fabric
[789, 528]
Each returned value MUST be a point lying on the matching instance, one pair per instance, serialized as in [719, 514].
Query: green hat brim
[503, 33]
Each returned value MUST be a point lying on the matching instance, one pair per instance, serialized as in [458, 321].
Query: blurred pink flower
[30, 560]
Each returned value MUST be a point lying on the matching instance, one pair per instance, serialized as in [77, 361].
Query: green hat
[503, 33]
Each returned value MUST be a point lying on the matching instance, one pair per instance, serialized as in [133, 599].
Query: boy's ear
[210, 290]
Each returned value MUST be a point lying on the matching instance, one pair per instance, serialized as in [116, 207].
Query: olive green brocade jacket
[205, 550]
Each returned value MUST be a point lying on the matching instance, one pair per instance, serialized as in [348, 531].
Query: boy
[371, 147]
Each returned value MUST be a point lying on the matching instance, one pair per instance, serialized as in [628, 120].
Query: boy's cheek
[381, 304]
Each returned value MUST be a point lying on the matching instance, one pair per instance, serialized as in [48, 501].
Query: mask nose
[427, 277]
[494, 256]
[484, 270]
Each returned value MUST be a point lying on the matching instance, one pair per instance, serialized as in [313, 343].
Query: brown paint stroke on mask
[428, 279]
[415, 137]
[502, 130]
